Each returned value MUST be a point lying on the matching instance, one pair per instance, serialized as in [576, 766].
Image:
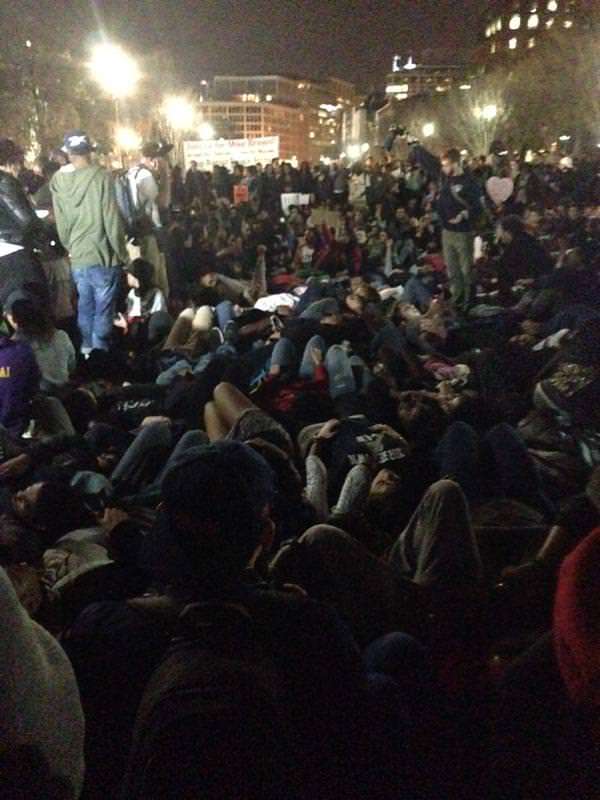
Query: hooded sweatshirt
[577, 622]
[39, 699]
[19, 380]
[87, 217]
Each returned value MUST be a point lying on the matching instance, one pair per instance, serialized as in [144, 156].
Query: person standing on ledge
[90, 228]
[458, 205]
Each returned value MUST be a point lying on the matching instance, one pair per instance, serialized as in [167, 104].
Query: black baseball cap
[156, 149]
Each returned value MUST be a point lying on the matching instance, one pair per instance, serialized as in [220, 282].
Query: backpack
[211, 723]
[240, 707]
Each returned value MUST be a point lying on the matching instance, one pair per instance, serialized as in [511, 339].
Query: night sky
[354, 40]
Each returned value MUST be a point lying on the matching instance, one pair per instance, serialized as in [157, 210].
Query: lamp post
[116, 73]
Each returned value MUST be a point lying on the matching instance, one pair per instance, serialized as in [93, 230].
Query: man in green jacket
[90, 228]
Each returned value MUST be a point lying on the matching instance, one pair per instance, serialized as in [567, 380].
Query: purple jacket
[19, 380]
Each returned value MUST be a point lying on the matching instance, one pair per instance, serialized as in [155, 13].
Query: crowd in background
[299, 500]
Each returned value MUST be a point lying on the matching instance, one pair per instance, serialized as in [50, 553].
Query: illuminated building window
[512, 43]
[515, 22]
[499, 24]
[531, 42]
[394, 88]
[533, 21]
[549, 23]
[568, 23]
[552, 5]
[493, 48]
[488, 32]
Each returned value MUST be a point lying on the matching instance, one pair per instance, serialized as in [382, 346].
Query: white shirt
[150, 305]
[272, 302]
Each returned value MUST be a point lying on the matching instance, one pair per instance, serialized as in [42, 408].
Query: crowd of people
[299, 501]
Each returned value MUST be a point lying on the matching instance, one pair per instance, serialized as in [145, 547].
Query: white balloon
[499, 189]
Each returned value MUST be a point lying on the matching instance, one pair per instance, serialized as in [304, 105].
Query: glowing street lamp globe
[428, 129]
[487, 113]
[179, 112]
[114, 70]
[206, 132]
[127, 139]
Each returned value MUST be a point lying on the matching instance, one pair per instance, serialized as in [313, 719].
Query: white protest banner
[293, 199]
[226, 152]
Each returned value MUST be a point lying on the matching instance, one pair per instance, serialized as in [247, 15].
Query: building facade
[512, 27]
[305, 114]
[410, 78]
[251, 119]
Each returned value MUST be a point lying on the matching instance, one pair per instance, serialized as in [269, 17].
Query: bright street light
[564, 138]
[206, 131]
[428, 129]
[127, 139]
[353, 151]
[179, 112]
[488, 113]
[114, 70]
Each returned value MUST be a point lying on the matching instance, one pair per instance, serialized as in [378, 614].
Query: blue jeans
[498, 465]
[389, 336]
[307, 365]
[152, 437]
[97, 289]
[284, 355]
[224, 312]
[418, 293]
[339, 370]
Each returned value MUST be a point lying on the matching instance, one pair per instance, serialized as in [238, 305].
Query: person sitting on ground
[19, 382]
[523, 260]
[53, 350]
[146, 319]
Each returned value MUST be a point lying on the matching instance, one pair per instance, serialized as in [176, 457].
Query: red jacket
[281, 397]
